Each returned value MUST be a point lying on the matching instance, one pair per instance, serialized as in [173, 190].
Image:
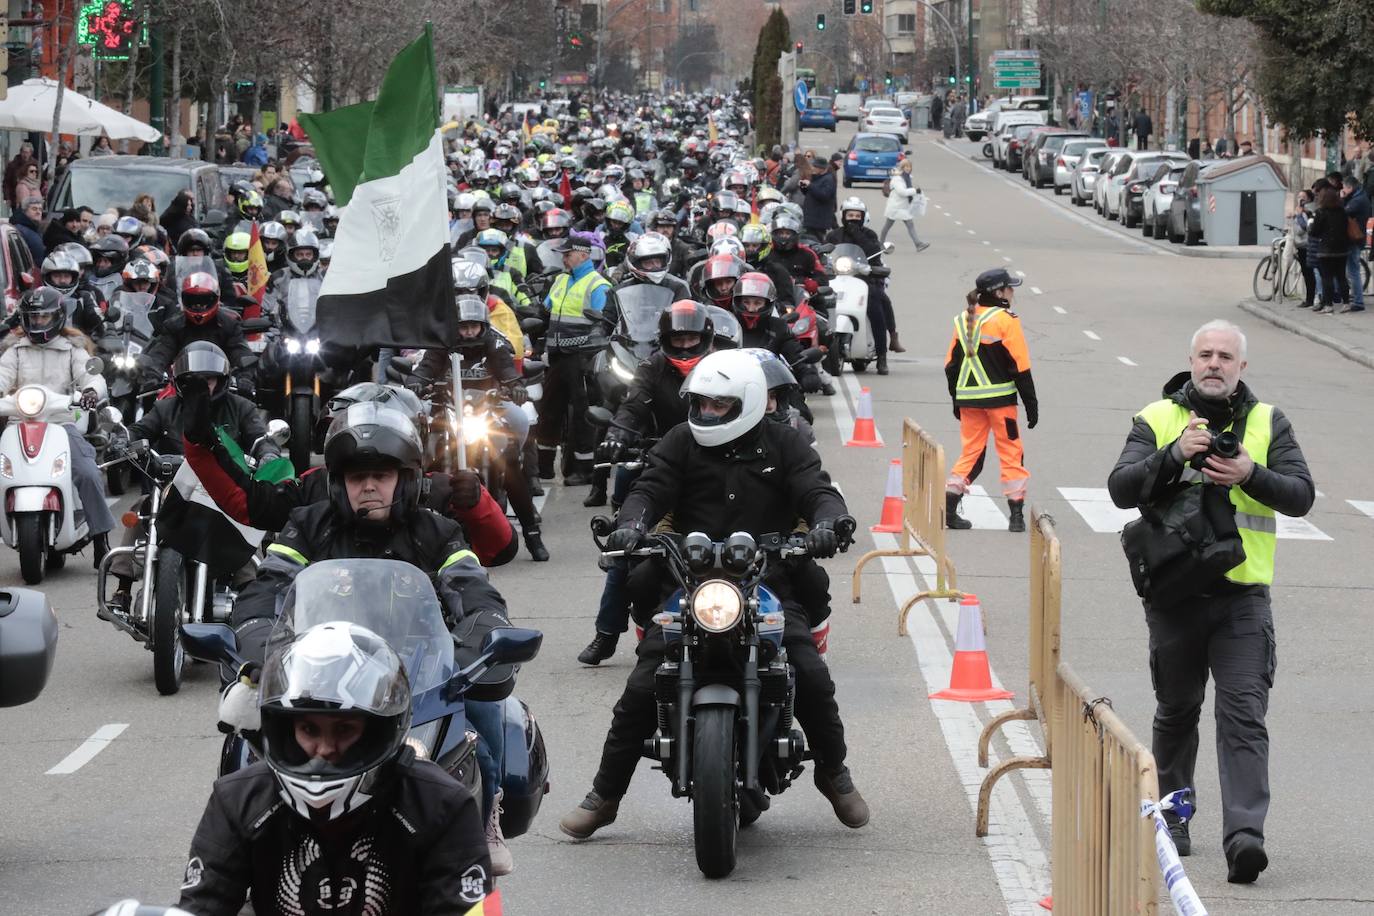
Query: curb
[1355, 354]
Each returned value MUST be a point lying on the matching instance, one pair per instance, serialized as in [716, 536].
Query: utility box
[1239, 199]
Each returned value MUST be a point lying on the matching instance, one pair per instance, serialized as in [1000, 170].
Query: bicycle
[1275, 273]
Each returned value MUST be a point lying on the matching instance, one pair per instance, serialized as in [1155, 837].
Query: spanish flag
[490, 905]
[525, 122]
[257, 267]
[711, 129]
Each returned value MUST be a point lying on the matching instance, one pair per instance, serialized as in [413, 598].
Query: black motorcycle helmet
[396, 397]
[43, 314]
[110, 254]
[685, 316]
[201, 359]
[194, 238]
[372, 435]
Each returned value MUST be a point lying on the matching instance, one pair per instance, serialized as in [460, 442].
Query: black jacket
[491, 346]
[418, 847]
[761, 483]
[653, 404]
[862, 236]
[223, 331]
[57, 233]
[775, 334]
[1328, 231]
[1284, 484]
[778, 272]
[239, 416]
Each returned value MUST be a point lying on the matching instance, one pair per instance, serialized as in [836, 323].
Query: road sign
[1022, 64]
[1013, 54]
[800, 95]
[1027, 83]
[863, 85]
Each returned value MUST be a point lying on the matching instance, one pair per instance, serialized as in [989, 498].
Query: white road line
[957, 223]
[1007, 259]
[998, 250]
[947, 213]
[1299, 529]
[981, 509]
[1037, 290]
[1125, 361]
[1060, 310]
[986, 242]
[1091, 336]
[839, 410]
[1095, 506]
[1365, 506]
[1018, 860]
[970, 232]
[88, 749]
[1021, 274]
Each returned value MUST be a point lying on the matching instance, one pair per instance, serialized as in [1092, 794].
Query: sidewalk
[1351, 335]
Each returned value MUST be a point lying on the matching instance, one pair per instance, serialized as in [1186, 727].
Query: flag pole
[456, 363]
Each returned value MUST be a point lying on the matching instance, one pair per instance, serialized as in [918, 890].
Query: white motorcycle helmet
[727, 396]
[853, 204]
[332, 670]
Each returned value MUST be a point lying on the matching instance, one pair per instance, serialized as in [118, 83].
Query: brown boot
[849, 805]
[587, 818]
[894, 344]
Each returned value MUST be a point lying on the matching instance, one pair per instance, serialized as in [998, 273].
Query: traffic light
[951, 76]
[543, 84]
[575, 39]
[849, 6]
[820, 22]
[887, 78]
[866, 6]
[799, 47]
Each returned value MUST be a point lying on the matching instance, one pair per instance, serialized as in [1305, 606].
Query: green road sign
[1016, 65]
[1032, 82]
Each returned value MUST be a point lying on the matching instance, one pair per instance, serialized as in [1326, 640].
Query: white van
[846, 106]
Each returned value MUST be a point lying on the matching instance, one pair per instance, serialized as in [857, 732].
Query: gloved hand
[465, 489]
[238, 704]
[196, 424]
[246, 387]
[517, 393]
[956, 412]
[811, 382]
[612, 448]
[89, 399]
[821, 540]
[1032, 415]
[626, 538]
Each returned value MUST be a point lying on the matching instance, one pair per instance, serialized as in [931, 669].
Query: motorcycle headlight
[59, 465]
[622, 373]
[293, 346]
[312, 346]
[717, 605]
[475, 428]
[422, 739]
[844, 265]
[801, 325]
[30, 400]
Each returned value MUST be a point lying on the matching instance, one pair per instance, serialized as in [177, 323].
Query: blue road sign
[800, 95]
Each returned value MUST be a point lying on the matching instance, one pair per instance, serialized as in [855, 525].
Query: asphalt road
[1108, 321]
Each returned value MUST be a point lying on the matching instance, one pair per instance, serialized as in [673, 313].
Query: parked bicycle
[1278, 274]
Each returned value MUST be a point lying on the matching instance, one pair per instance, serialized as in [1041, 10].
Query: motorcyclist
[854, 230]
[108, 255]
[556, 224]
[754, 303]
[201, 318]
[664, 222]
[196, 243]
[496, 244]
[274, 237]
[363, 816]
[479, 342]
[50, 354]
[649, 260]
[758, 245]
[302, 258]
[726, 469]
[482, 209]
[800, 261]
[519, 257]
[471, 279]
[236, 255]
[61, 272]
[619, 216]
[719, 274]
[652, 406]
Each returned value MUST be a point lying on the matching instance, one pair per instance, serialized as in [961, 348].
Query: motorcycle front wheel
[715, 806]
[169, 656]
[302, 423]
[32, 546]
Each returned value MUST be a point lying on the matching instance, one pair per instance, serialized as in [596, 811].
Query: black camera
[1225, 444]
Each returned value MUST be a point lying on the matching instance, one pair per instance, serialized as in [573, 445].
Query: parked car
[1044, 155]
[819, 114]
[1067, 159]
[1083, 179]
[906, 104]
[886, 121]
[17, 271]
[102, 182]
[1032, 145]
[979, 124]
[1154, 205]
[1013, 152]
[871, 157]
[1121, 199]
[875, 101]
[1001, 133]
[847, 105]
[1105, 169]
[1018, 116]
[1185, 209]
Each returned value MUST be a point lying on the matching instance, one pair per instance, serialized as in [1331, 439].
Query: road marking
[981, 509]
[839, 411]
[1007, 259]
[970, 232]
[986, 242]
[1091, 336]
[1365, 506]
[1060, 310]
[1021, 274]
[997, 250]
[957, 223]
[1125, 361]
[947, 213]
[1095, 506]
[1299, 529]
[1037, 290]
[88, 749]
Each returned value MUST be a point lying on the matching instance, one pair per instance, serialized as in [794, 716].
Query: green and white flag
[390, 282]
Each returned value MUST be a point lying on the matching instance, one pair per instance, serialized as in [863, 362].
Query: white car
[1105, 168]
[1006, 123]
[979, 124]
[1067, 160]
[1125, 177]
[1084, 176]
[885, 121]
[1154, 208]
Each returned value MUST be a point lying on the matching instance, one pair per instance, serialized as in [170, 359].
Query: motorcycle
[808, 325]
[41, 518]
[725, 690]
[129, 328]
[633, 340]
[293, 361]
[851, 337]
[398, 603]
[28, 644]
[485, 431]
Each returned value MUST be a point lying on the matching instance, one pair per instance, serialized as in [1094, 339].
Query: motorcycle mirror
[531, 325]
[812, 355]
[250, 325]
[278, 431]
[26, 280]
[28, 644]
[792, 317]
[95, 365]
[888, 248]
[211, 642]
[599, 416]
[112, 415]
[512, 645]
[824, 249]
[113, 314]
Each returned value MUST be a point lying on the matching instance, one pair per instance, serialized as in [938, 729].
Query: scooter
[41, 517]
[851, 338]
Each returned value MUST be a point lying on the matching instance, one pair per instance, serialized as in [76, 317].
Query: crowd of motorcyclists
[639, 311]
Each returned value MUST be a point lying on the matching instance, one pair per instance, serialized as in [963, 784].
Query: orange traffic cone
[891, 521]
[1047, 903]
[970, 679]
[865, 433]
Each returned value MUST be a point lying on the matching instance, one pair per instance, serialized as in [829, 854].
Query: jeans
[89, 482]
[1354, 276]
[613, 614]
[910, 230]
[486, 720]
[1335, 288]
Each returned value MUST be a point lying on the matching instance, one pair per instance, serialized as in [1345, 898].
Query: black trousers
[1232, 636]
[565, 383]
[636, 714]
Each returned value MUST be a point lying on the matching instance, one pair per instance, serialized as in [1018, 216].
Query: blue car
[818, 114]
[871, 157]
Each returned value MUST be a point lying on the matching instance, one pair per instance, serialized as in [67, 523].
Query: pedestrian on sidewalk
[1357, 209]
[1202, 619]
[903, 200]
[1301, 218]
[1328, 229]
[1143, 128]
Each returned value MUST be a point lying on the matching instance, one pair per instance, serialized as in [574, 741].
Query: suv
[102, 182]
[18, 273]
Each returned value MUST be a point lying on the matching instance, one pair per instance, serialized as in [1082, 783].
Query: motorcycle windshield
[187, 264]
[301, 294]
[314, 219]
[392, 599]
[135, 308]
[640, 307]
[548, 257]
[848, 258]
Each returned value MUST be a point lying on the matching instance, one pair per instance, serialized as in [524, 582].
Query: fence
[923, 518]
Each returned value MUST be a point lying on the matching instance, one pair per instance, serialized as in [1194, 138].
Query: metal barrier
[923, 518]
[1045, 595]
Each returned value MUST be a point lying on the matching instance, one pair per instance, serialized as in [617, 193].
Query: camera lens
[1226, 444]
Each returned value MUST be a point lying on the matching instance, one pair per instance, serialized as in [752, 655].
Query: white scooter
[851, 338]
[41, 518]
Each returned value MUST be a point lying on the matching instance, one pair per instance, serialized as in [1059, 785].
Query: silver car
[1067, 160]
[1154, 216]
[1083, 180]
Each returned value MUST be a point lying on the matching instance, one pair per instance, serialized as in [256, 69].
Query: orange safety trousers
[974, 425]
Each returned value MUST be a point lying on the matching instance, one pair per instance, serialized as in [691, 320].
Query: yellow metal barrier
[923, 518]
[1045, 594]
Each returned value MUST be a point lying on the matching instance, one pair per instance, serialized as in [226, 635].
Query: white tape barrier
[1186, 900]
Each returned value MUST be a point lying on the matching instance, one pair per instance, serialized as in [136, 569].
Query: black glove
[626, 538]
[612, 448]
[245, 387]
[196, 424]
[1032, 415]
[517, 393]
[89, 399]
[956, 412]
[821, 540]
[811, 382]
[465, 489]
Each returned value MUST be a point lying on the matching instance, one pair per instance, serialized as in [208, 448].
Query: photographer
[1209, 466]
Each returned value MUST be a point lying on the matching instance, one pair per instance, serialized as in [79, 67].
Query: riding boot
[952, 517]
[882, 364]
[531, 464]
[547, 455]
[893, 343]
[597, 496]
[534, 543]
[579, 474]
[100, 546]
[1018, 519]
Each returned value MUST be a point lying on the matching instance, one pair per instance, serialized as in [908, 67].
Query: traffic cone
[970, 679]
[1047, 902]
[865, 433]
[891, 520]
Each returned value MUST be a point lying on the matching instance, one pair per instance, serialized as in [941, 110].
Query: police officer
[728, 469]
[987, 366]
[1226, 626]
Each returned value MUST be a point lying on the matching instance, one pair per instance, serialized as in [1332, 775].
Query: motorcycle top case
[499, 681]
[28, 644]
